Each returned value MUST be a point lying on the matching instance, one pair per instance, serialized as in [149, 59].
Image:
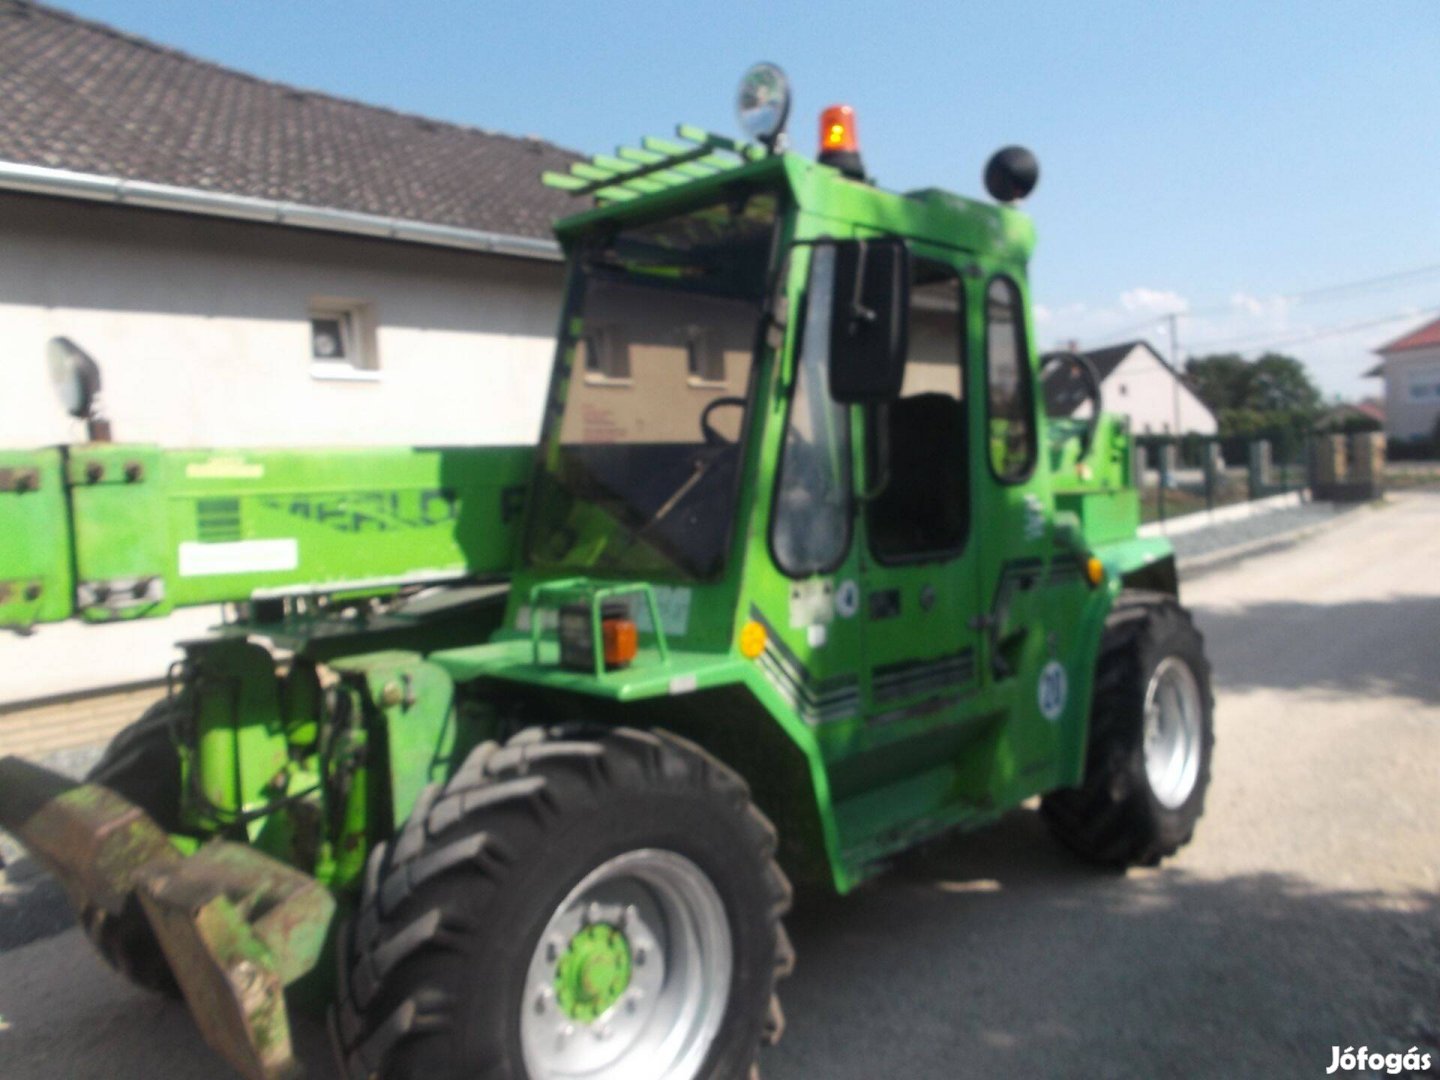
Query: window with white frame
[342, 339]
[705, 358]
[605, 354]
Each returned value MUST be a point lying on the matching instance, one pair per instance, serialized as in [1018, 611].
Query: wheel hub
[629, 979]
[1173, 739]
[594, 972]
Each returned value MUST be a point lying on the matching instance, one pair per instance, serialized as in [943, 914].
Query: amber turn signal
[622, 641]
[1094, 570]
[752, 640]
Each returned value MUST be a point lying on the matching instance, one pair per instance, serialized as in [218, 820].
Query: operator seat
[923, 507]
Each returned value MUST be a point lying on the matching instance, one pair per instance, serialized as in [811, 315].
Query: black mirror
[75, 375]
[869, 323]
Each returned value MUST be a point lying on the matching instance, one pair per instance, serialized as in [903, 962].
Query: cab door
[1031, 593]
[918, 586]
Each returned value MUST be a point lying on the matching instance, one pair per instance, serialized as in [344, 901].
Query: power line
[1282, 340]
[1399, 277]
[1268, 340]
[1378, 283]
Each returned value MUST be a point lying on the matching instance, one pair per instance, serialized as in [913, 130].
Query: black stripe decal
[928, 707]
[910, 678]
[817, 701]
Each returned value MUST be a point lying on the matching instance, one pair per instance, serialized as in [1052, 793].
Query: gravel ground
[1305, 915]
[1279, 526]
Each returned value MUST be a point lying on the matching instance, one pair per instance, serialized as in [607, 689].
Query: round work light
[764, 103]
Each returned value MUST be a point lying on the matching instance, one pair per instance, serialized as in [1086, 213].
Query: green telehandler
[805, 577]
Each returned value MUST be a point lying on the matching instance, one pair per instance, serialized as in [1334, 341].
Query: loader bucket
[236, 926]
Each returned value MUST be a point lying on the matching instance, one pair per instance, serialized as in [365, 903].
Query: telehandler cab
[806, 578]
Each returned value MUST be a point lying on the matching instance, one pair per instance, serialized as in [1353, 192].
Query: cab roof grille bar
[657, 164]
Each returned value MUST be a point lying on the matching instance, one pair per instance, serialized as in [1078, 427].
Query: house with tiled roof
[1410, 366]
[1135, 380]
[253, 263]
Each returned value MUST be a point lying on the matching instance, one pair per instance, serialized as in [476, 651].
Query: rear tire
[141, 764]
[1151, 736]
[474, 947]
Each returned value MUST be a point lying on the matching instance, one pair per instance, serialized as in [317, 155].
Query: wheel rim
[1172, 732]
[631, 975]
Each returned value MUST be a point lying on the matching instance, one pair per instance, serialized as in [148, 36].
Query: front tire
[605, 908]
[1151, 737]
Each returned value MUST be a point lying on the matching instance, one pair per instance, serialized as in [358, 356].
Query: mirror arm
[880, 424]
[858, 311]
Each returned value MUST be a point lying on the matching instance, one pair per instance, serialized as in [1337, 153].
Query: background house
[1134, 380]
[1351, 416]
[1410, 366]
[254, 264]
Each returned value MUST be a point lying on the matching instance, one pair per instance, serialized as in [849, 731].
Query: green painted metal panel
[35, 571]
[157, 529]
[417, 701]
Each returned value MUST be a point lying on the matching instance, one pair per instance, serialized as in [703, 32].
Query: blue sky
[1212, 158]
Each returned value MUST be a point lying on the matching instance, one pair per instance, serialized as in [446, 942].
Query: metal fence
[1178, 476]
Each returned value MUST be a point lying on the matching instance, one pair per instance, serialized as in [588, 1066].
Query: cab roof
[663, 177]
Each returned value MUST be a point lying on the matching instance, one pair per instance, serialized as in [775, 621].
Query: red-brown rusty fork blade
[236, 926]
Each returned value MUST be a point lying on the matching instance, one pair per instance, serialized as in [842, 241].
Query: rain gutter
[39, 180]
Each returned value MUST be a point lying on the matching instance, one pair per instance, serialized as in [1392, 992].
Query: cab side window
[810, 523]
[916, 444]
[1010, 408]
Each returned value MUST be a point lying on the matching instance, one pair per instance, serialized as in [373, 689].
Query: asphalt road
[1305, 915]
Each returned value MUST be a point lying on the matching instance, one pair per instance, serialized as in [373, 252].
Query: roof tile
[1423, 338]
[81, 96]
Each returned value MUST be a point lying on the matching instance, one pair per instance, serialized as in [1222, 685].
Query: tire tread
[459, 828]
[1108, 818]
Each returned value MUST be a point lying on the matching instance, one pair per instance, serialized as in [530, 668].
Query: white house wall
[1142, 387]
[1412, 393]
[201, 329]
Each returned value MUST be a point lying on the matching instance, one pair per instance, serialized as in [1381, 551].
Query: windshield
[641, 466]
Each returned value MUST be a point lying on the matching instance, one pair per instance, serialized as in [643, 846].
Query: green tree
[1281, 384]
[1221, 380]
[1271, 395]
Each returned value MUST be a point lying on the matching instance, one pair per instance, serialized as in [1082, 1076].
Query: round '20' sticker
[1053, 690]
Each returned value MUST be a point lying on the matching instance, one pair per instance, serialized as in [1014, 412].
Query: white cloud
[1143, 301]
[1135, 313]
[1248, 304]
[1245, 302]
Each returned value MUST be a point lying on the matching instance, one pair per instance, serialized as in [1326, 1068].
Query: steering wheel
[1091, 378]
[713, 437]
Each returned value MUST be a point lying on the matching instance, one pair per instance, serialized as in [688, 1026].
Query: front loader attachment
[236, 926]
